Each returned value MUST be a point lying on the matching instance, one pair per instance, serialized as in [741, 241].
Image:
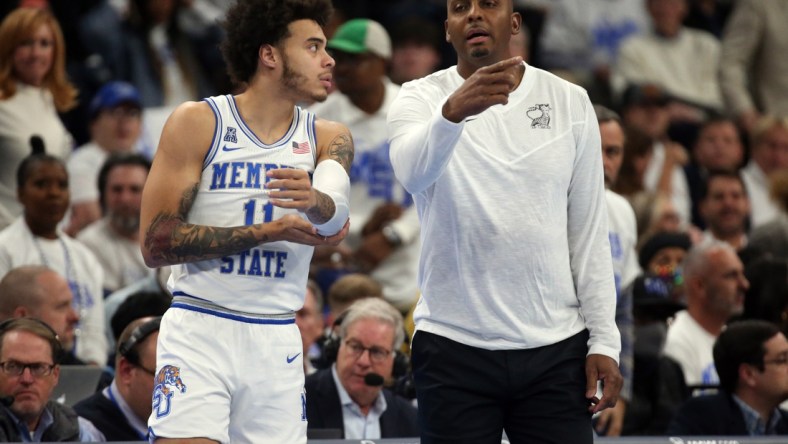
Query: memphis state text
[255, 261]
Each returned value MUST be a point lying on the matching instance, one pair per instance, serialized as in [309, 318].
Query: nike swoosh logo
[229, 148]
[289, 359]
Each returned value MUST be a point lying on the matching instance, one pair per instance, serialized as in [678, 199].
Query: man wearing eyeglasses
[752, 362]
[345, 396]
[121, 410]
[29, 370]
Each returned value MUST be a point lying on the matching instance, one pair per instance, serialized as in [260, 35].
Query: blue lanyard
[70, 274]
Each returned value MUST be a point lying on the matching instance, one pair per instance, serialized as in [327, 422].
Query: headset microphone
[373, 380]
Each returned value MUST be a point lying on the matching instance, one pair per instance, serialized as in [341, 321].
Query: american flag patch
[300, 148]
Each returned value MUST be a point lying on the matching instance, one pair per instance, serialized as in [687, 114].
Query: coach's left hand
[602, 368]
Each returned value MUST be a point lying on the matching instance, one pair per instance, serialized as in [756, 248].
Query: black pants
[470, 395]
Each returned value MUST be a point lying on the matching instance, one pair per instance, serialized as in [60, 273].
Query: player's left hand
[602, 368]
[290, 188]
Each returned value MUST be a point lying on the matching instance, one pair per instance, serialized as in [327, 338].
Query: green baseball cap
[361, 35]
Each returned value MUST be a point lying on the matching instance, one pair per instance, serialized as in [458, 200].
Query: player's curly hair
[250, 24]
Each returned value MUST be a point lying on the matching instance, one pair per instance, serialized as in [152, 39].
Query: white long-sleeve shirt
[515, 250]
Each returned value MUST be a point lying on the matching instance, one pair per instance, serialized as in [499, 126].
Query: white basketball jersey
[269, 278]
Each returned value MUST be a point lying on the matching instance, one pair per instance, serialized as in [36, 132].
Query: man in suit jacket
[345, 396]
[751, 359]
[121, 410]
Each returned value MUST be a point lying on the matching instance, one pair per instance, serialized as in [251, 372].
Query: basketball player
[229, 204]
[515, 325]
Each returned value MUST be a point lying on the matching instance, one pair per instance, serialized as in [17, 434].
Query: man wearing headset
[349, 396]
[121, 410]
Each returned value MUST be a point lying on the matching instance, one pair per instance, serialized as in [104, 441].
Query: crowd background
[699, 85]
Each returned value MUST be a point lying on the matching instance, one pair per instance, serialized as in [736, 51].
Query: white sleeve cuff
[331, 179]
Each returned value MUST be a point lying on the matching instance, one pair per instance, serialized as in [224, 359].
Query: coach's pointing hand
[488, 86]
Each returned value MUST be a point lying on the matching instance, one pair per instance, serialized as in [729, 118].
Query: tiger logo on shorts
[168, 382]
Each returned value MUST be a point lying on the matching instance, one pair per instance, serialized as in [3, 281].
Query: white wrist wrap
[331, 179]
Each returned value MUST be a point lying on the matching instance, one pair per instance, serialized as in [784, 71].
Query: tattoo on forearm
[171, 240]
[323, 211]
[341, 150]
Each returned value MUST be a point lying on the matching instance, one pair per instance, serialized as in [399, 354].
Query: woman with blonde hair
[33, 90]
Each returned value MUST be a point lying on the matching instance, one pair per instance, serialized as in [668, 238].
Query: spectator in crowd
[350, 396]
[654, 211]
[718, 147]
[725, 208]
[30, 356]
[35, 239]
[164, 60]
[658, 292]
[772, 237]
[115, 127]
[663, 253]
[646, 108]
[39, 292]
[753, 46]
[656, 214]
[415, 50]
[661, 257]
[714, 287]
[768, 154]
[581, 39]
[347, 290]
[114, 238]
[121, 410]
[683, 61]
[623, 237]
[341, 295]
[310, 323]
[384, 235]
[138, 305]
[638, 150]
[751, 358]
[33, 89]
[623, 230]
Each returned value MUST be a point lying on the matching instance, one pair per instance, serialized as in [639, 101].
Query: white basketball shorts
[228, 377]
